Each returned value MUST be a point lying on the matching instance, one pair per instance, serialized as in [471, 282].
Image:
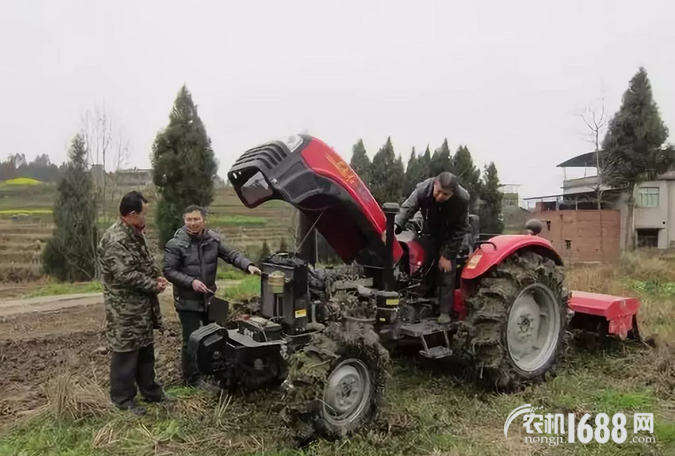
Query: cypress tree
[490, 208]
[70, 255]
[633, 149]
[184, 164]
[467, 173]
[360, 162]
[387, 175]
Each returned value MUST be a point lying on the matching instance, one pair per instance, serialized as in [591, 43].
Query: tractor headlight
[293, 142]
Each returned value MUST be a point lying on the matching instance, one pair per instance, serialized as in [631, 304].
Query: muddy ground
[36, 346]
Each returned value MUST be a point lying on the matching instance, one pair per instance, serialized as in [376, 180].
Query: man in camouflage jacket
[131, 281]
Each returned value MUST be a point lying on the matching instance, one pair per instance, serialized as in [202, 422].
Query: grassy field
[424, 412]
[21, 181]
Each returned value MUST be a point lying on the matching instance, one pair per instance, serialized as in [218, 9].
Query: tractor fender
[495, 250]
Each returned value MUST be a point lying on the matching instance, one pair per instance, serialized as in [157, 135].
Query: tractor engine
[295, 302]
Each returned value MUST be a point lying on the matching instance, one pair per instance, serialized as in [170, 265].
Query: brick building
[588, 221]
[582, 235]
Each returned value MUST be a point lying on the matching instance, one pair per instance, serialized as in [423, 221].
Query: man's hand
[254, 270]
[444, 264]
[397, 230]
[162, 283]
[198, 285]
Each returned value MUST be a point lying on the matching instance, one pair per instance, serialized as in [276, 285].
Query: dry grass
[74, 398]
[646, 275]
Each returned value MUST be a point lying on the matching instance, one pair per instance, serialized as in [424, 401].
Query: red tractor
[324, 335]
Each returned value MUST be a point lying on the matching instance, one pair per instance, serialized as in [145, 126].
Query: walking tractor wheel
[347, 393]
[519, 315]
[335, 383]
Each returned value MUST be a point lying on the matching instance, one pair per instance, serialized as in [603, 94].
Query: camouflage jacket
[128, 275]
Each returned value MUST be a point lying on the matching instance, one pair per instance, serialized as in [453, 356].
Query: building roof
[587, 160]
[134, 171]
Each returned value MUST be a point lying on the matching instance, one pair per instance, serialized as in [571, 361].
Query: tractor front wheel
[519, 317]
[336, 382]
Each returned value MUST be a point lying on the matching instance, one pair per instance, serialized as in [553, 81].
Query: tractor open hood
[310, 175]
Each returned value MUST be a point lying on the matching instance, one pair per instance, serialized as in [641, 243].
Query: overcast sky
[505, 78]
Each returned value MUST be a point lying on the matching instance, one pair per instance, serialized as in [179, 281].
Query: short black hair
[193, 207]
[132, 201]
[447, 181]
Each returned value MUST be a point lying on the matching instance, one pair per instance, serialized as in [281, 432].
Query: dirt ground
[44, 337]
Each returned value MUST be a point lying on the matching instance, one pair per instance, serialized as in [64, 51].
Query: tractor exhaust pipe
[307, 250]
[390, 211]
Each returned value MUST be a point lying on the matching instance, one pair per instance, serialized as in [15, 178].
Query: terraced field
[26, 225]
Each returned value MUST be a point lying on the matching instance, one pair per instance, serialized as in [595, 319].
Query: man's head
[133, 210]
[195, 219]
[445, 185]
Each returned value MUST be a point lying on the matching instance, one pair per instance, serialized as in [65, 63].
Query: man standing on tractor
[131, 282]
[444, 205]
[190, 264]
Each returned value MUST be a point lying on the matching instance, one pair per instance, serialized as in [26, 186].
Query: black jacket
[446, 222]
[188, 257]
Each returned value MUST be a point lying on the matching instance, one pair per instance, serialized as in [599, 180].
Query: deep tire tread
[488, 308]
[309, 372]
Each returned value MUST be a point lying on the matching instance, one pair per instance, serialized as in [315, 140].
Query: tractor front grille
[269, 155]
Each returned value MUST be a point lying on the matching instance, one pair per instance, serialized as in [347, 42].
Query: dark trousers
[128, 369]
[446, 287]
[190, 322]
[439, 283]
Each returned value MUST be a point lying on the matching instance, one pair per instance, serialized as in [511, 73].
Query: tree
[282, 246]
[595, 120]
[7, 170]
[441, 160]
[425, 164]
[70, 255]
[387, 174]
[490, 206]
[467, 173]
[265, 251]
[107, 149]
[184, 165]
[360, 162]
[633, 147]
[412, 175]
[42, 169]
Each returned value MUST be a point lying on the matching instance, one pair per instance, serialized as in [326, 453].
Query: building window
[648, 197]
[647, 238]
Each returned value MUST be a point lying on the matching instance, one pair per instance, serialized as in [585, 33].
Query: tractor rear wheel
[519, 317]
[337, 382]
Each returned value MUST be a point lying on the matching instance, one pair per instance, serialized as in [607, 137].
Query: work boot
[164, 398]
[444, 319]
[134, 408]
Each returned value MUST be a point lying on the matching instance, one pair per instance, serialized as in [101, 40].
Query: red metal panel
[326, 162]
[607, 306]
[618, 310]
[498, 249]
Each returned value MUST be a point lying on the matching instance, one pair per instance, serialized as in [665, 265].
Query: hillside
[26, 225]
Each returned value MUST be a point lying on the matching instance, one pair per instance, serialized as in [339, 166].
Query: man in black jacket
[190, 264]
[444, 206]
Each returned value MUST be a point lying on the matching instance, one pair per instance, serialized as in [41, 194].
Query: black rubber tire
[250, 380]
[310, 368]
[489, 303]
